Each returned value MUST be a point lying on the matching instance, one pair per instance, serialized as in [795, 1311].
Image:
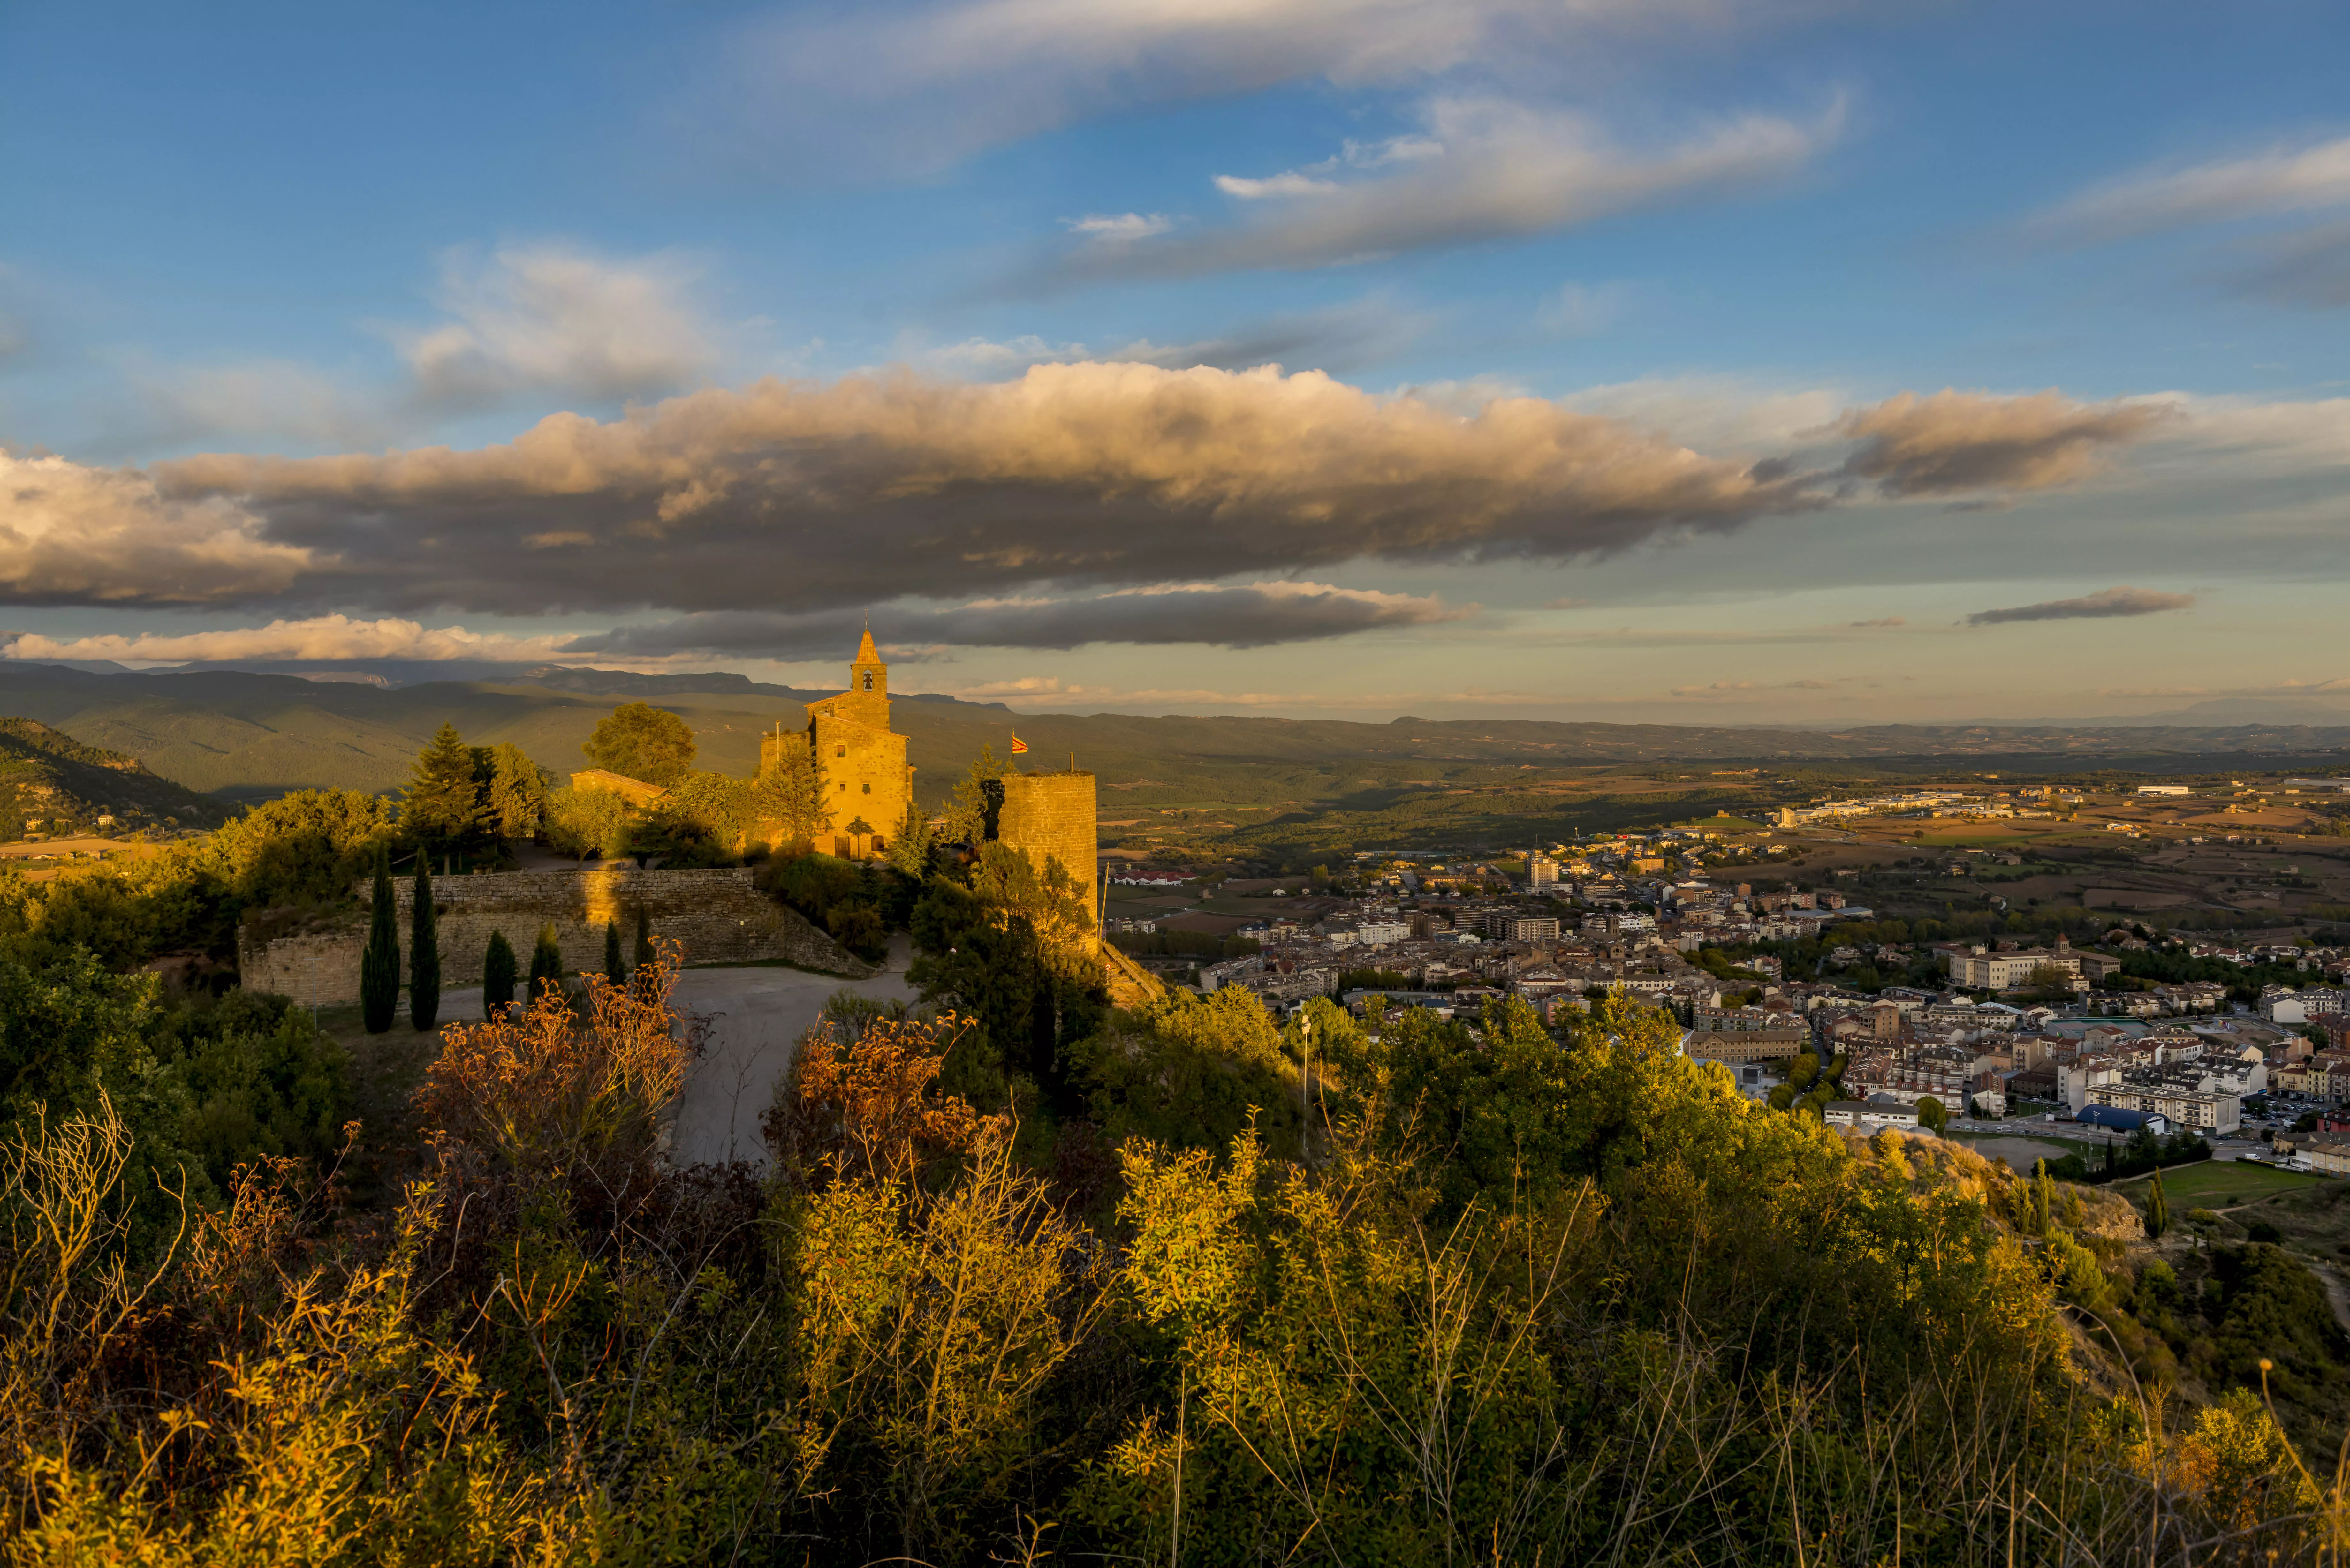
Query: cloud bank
[2104, 603]
[1079, 503]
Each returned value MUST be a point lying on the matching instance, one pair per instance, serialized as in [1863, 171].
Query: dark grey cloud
[1956, 441]
[1248, 615]
[2104, 602]
[798, 498]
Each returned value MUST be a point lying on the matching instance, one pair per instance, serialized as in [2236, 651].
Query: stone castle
[869, 785]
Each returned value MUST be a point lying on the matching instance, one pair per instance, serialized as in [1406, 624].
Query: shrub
[497, 976]
[379, 961]
[545, 965]
[423, 951]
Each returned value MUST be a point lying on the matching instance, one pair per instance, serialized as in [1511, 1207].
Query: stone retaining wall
[716, 914]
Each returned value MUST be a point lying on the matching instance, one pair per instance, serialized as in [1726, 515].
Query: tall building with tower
[867, 779]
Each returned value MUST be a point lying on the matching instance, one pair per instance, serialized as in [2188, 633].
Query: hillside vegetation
[1026, 1274]
[54, 779]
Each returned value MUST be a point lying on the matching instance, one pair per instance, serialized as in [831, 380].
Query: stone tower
[863, 764]
[1051, 814]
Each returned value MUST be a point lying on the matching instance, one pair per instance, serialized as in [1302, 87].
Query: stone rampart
[716, 914]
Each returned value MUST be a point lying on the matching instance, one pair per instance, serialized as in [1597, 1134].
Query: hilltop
[50, 778]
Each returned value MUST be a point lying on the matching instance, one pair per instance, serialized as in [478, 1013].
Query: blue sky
[1632, 317]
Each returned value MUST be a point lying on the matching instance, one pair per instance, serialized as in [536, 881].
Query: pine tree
[616, 969]
[497, 976]
[379, 961]
[423, 951]
[517, 793]
[442, 806]
[2158, 1209]
[546, 962]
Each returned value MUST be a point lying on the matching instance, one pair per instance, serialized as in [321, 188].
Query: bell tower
[869, 685]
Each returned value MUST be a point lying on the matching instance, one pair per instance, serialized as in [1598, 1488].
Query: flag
[1018, 745]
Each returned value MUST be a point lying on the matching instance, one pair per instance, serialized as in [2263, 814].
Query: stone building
[1051, 815]
[867, 778]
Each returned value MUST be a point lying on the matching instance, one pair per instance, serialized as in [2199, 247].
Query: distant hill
[249, 735]
[52, 778]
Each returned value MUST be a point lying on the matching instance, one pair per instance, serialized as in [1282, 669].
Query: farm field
[2220, 1184]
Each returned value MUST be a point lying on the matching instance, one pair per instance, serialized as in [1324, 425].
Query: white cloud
[71, 534]
[1582, 310]
[2281, 178]
[321, 637]
[547, 322]
[1487, 169]
[1119, 229]
[550, 317]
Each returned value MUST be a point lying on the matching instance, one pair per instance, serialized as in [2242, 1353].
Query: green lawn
[2220, 1184]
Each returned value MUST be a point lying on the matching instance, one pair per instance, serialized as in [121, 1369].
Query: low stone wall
[717, 915]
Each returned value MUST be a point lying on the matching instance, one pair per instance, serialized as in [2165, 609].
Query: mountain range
[244, 735]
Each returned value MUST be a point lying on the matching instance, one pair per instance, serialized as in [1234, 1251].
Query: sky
[1704, 361]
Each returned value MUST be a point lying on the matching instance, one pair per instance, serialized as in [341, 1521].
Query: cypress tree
[2044, 1197]
[497, 976]
[546, 962]
[379, 961]
[616, 969]
[2158, 1209]
[423, 951]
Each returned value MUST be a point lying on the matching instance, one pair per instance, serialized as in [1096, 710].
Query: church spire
[866, 652]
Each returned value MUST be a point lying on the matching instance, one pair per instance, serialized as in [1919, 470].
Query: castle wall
[715, 913]
[1053, 814]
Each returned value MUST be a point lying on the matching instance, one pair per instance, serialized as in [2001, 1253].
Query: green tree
[517, 795]
[546, 962]
[616, 968]
[787, 797]
[711, 806]
[308, 847]
[442, 807]
[909, 847]
[639, 741]
[2158, 1209]
[971, 815]
[423, 951]
[380, 961]
[497, 976]
[2043, 1198]
[1932, 1115]
[584, 822]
